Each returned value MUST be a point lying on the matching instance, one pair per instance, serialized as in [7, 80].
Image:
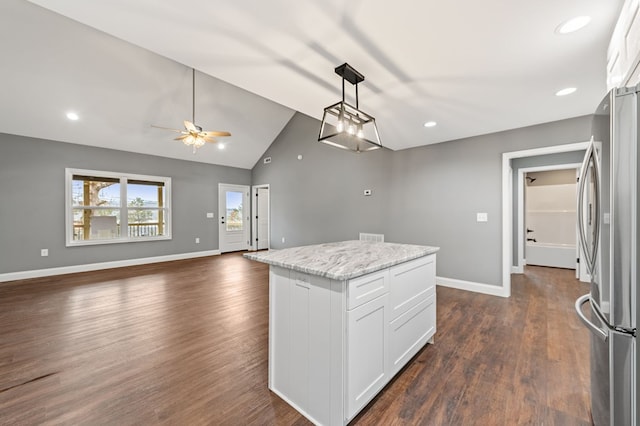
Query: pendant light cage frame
[345, 126]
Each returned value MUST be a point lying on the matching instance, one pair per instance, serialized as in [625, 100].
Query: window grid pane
[96, 192]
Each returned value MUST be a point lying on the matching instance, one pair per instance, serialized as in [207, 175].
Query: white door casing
[507, 203]
[260, 215]
[233, 217]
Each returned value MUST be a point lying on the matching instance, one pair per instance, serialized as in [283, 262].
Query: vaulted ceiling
[473, 67]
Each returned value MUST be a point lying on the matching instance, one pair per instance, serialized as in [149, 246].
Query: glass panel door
[233, 204]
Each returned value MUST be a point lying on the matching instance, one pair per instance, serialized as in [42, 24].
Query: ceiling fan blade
[209, 139]
[190, 126]
[181, 138]
[167, 128]
[215, 133]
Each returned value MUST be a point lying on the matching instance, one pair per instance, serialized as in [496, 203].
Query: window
[234, 211]
[106, 207]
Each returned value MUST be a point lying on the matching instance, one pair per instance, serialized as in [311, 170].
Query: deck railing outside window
[135, 230]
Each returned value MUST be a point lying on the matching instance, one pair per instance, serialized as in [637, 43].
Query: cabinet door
[367, 353]
[411, 331]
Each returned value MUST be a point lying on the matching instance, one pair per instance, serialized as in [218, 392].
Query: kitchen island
[344, 318]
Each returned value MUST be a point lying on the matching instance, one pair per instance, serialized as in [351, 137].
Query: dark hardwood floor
[185, 343]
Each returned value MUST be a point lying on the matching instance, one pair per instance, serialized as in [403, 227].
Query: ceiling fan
[193, 135]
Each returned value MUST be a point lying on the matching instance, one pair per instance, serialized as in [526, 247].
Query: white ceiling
[475, 67]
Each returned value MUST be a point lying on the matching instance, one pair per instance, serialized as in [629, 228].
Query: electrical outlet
[209, 215]
[283, 239]
[44, 252]
[482, 217]
[197, 240]
[367, 192]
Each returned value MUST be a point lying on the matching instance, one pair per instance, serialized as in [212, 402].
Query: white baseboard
[492, 290]
[517, 269]
[23, 275]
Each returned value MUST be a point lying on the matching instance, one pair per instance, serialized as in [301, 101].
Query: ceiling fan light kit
[193, 135]
[345, 126]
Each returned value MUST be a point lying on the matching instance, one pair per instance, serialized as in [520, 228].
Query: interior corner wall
[32, 210]
[320, 197]
[437, 190]
[426, 195]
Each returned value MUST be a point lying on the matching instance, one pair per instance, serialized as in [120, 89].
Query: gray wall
[426, 195]
[320, 198]
[32, 202]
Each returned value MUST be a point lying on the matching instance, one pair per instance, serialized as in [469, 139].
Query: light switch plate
[209, 215]
[482, 217]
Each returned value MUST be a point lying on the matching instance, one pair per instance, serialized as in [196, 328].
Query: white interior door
[262, 218]
[233, 208]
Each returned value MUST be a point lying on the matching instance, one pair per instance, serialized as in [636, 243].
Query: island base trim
[296, 406]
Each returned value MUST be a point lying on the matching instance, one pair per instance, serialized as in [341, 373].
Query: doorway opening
[547, 217]
[234, 221]
[261, 217]
[508, 217]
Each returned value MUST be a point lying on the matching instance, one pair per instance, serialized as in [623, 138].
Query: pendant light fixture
[345, 126]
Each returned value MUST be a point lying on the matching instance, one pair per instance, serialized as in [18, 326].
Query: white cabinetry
[367, 352]
[623, 55]
[413, 309]
[367, 338]
[333, 345]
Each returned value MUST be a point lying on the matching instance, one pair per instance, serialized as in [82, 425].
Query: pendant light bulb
[340, 125]
[351, 129]
[360, 133]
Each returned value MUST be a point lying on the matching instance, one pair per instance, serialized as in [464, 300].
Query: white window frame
[124, 178]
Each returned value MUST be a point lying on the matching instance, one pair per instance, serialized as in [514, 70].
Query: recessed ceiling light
[72, 116]
[565, 92]
[573, 24]
[430, 124]
[220, 146]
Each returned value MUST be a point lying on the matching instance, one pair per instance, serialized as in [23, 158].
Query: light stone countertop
[342, 260]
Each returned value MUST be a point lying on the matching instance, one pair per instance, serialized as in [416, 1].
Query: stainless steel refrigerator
[608, 207]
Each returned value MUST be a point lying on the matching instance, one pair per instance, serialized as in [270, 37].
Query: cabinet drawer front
[410, 283]
[410, 332]
[366, 288]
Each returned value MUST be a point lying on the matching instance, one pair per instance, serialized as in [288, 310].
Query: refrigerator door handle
[581, 185]
[597, 331]
[591, 162]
